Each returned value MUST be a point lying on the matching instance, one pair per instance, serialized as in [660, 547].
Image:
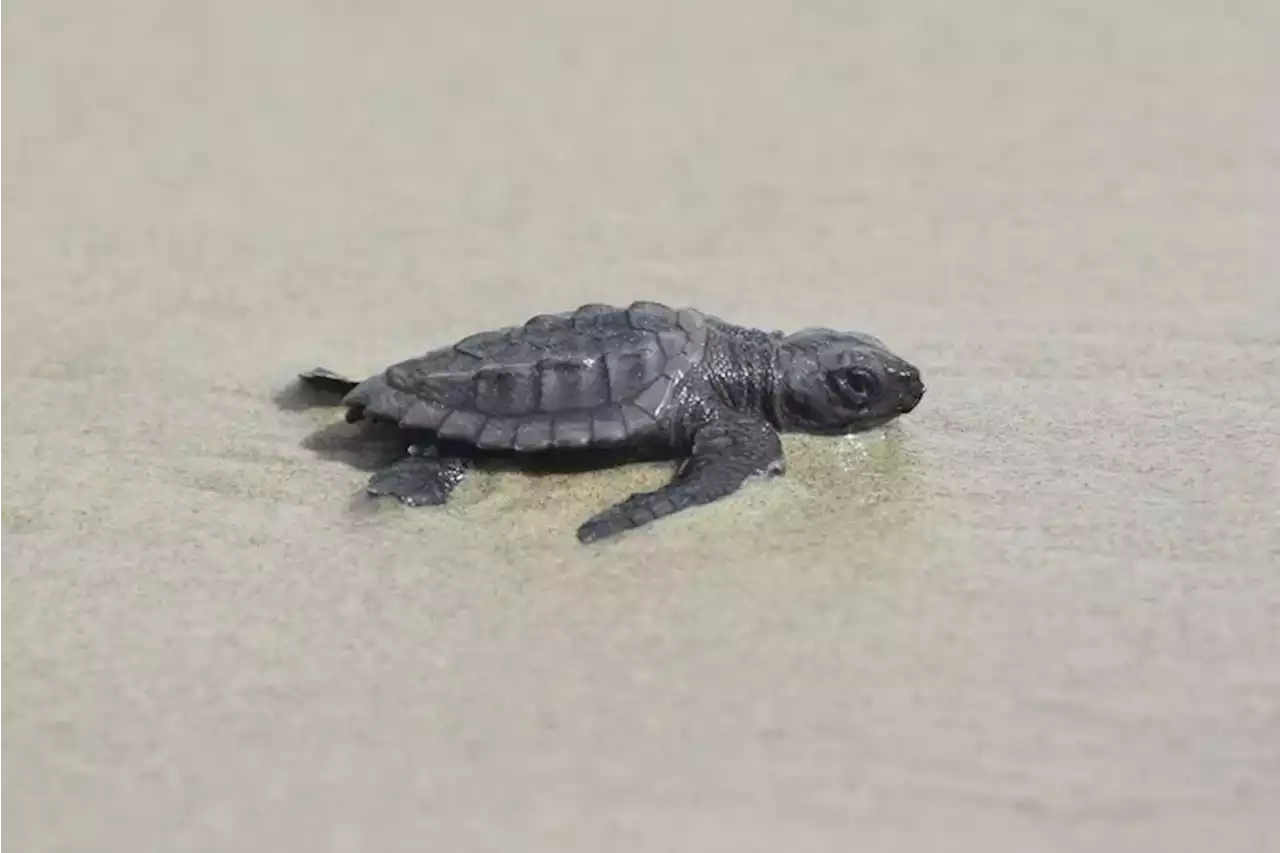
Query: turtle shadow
[570, 461]
[366, 447]
[372, 444]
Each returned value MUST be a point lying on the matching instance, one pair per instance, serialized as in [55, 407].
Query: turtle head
[834, 382]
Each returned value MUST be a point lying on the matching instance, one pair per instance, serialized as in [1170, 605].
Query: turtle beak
[912, 390]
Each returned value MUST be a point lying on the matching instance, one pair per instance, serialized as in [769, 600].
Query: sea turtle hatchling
[689, 384]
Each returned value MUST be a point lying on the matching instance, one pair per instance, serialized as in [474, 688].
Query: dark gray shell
[598, 376]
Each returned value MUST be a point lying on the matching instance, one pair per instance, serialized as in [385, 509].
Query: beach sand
[1042, 612]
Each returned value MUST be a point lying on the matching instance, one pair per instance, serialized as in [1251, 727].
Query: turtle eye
[855, 385]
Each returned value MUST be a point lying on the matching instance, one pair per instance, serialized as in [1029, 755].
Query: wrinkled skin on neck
[818, 380]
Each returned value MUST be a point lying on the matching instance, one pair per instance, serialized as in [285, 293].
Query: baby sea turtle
[646, 376]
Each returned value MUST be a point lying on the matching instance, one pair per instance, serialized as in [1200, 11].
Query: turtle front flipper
[726, 453]
[420, 480]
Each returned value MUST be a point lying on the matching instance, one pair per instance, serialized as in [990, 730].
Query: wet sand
[1040, 613]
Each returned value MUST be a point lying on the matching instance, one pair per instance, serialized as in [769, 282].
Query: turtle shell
[598, 376]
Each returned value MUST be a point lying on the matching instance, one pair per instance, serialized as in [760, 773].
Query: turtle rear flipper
[423, 479]
[323, 379]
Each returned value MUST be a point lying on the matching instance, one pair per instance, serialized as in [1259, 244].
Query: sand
[1040, 613]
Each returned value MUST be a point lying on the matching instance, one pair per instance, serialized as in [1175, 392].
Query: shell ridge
[595, 376]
